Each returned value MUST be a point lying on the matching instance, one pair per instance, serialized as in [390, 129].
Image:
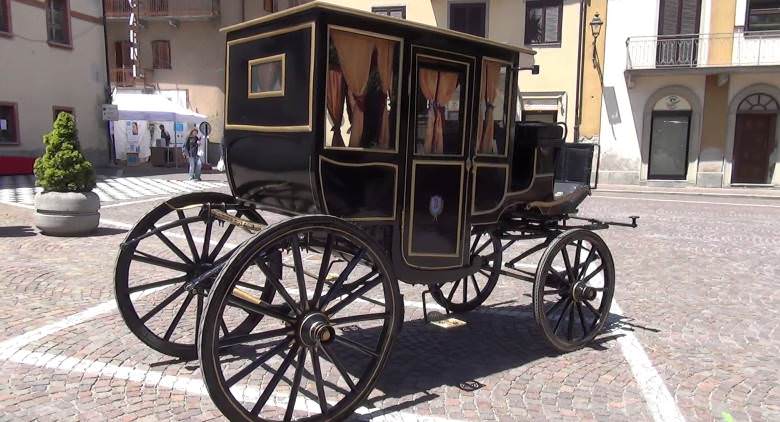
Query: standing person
[164, 135]
[191, 147]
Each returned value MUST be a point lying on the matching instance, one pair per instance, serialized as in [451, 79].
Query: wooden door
[753, 141]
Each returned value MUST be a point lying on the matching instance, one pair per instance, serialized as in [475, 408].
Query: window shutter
[551, 23]
[268, 5]
[689, 18]
[669, 17]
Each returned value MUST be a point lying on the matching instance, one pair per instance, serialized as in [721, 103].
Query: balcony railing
[123, 77]
[164, 8]
[703, 50]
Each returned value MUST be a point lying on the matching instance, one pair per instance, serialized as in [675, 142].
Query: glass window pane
[439, 111]
[361, 91]
[7, 124]
[492, 129]
[267, 77]
[669, 146]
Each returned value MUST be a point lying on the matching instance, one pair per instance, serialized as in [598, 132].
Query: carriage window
[439, 110]
[492, 124]
[266, 77]
[362, 88]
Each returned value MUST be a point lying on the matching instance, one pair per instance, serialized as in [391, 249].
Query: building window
[9, 124]
[266, 77]
[763, 15]
[58, 22]
[470, 18]
[543, 21]
[544, 116]
[56, 110]
[392, 11]
[268, 6]
[5, 17]
[161, 54]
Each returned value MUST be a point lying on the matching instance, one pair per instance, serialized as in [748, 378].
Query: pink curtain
[437, 87]
[486, 127]
[355, 52]
[385, 52]
[335, 102]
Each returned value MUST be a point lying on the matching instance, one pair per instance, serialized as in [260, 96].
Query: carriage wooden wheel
[166, 265]
[573, 290]
[468, 293]
[323, 339]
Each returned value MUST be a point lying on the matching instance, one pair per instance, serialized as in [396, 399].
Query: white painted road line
[731, 204]
[660, 402]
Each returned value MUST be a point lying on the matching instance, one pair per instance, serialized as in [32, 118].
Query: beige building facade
[692, 93]
[52, 58]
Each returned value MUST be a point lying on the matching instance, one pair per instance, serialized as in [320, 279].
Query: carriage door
[435, 220]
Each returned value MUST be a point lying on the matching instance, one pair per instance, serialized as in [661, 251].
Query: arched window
[758, 103]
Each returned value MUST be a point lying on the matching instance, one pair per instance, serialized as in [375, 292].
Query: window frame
[669, 113]
[67, 22]
[456, 3]
[529, 113]
[156, 62]
[55, 109]
[8, 32]
[269, 6]
[15, 111]
[543, 4]
[281, 58]
[386, 10]
[747, 18]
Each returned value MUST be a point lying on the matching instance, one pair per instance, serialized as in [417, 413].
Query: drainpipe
[111, 152]
[580, 71]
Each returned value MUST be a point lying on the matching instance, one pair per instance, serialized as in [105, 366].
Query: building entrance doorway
[754, 140]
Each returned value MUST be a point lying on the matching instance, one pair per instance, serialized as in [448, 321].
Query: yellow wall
[592, 80]
[557, 64]
[37, 76]
[721, 22]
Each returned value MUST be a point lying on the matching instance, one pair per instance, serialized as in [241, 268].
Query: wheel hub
[581, 291]
[315, 328]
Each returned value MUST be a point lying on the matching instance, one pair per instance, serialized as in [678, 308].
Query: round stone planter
[66, 213]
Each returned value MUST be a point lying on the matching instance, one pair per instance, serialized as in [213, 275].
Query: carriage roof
[318, 4]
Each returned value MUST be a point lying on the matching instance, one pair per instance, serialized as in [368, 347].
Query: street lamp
[595, 26]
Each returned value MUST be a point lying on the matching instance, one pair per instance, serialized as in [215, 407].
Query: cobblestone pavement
[696, 284]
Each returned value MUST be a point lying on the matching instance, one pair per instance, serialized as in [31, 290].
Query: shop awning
[152, 107]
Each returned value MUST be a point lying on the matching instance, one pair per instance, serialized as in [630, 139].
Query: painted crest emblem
[436, 206]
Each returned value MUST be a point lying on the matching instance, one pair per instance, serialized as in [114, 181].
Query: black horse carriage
[393, 149]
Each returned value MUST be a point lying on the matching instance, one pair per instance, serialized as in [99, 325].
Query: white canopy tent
[140, 115]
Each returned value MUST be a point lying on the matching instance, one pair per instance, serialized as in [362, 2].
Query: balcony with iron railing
[700, 51]
[123, 77]
[164, 9]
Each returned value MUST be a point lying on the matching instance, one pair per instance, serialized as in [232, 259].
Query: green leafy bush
[63, 168]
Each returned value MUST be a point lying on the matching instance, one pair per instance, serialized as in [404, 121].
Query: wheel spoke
[591, 275]
[552, 292]
[588, 261]
[223, 326]
[175, 249]
[207, 238]
[577, 257]
[324, 266]
[476, 286]
[344, 374]
[232, 340]
[157, 284]
[301, 362]
[354, 295]
[567, 263]
[238, 376]
[260, 308]
[186, 227]
[296, 250]
[223, 239]
[356, 346]
[571, 322]
[357, 318]
[274, 280]
[560, 318]
[452, 292]
[160, 262]
[177, 317]
[163, 304]
[592, 309]
[582, 321]
[554, 307]
[465, 290]
[315, 361]
[269, 389]
[342, 278]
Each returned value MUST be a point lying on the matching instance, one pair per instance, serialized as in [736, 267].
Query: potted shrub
[67, 205]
